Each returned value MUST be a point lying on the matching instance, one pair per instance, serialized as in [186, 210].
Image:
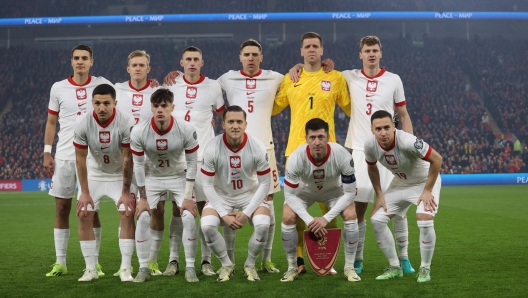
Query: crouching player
[106, 135]
[312, 175]
[236, 175]
[415, 166]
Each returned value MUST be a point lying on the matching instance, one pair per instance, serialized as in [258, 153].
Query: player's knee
[349, 214]
[63, 210]
[424, 217]
[425, 223]
[188, 219]
[289, 218]
[379, 219]
[261, 224]
[209, 224]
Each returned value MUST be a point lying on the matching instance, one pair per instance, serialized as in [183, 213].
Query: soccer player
[415, 165]
[106, 135]
[314, 95]
[235, 176]
[134, 99]
[372, 88]
[163, 141]
[68, 102]
[312, 175]
[254, 90]
[196, 98]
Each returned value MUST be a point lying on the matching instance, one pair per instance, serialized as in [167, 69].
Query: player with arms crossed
[314, 95]
[196, 97]
[163, 140]
[254, 90]
[133, 97]
[106, 135]
[235, 176]
[312, 175]
[372, 88]
[68, 101]
[415, 165]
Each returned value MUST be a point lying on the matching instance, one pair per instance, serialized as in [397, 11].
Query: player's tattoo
[128, 168]
[142, 192]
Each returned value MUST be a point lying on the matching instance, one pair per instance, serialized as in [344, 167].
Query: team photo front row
[141, 164]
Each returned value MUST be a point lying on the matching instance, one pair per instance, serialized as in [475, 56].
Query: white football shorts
[64, 180]
[365, 191]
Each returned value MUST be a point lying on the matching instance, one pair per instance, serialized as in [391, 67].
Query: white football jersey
[303, 172]
[135, 102]
[405, 158]
[370, 94]
[235, 171]
[104, 142]
[255, 94]
[164, 150]
[194, 103]
[68, 101]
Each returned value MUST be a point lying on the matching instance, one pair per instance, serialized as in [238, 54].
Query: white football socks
[97, 232]
[214, 239]
[127, 250]
[427, 241]
[384, 238]
[258, 240]
[88, 251]
[266, 253]
[175, 238]
[362, 229]
[190, 238]
[143, 239]
[157, 239]
[351, 237]
[61, 238]
[230, 238]
[206, 251]
[401, 233]
[289, 241]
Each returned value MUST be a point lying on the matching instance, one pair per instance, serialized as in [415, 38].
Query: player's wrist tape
[47, 148]
[188, 190]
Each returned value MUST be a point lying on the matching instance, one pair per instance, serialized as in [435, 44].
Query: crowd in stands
[445, 106]
[38, 8]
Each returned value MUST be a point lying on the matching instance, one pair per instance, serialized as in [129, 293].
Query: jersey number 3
[369, 108]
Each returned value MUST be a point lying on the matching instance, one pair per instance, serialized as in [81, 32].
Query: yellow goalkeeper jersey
[314, 96]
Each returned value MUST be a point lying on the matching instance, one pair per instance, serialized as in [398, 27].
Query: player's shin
[258, 240]
[127, 250]
[88, 251]
[230, 237]
[175, 238]
[214, 239]
[206, 251]
[190, 238]
[289, 242]
[362, 231]
[143, 240]
[351, 237]
[157, 239]
[61, 237]
[401, 233]
[266, 253]
[427, 241]
[384, 238]
[97, 232]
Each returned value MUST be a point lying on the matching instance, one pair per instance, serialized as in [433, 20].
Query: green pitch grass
[481, 251]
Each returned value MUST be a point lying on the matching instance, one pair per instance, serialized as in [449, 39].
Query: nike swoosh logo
[189, 102]
[275, 186]
[370, 95]
[234, 173]
[295, 85]
[380, 242]
[258, 240]
[104, 148]
[285, 239]
[402, 241]
[81, 104]
[353, 242]
[141, 241]
[191, 239]
[249, 93]
[210, 242]
[135, 110]
[426, 242]
[173, 237]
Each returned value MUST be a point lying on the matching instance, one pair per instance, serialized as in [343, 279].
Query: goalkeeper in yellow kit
[313, 96]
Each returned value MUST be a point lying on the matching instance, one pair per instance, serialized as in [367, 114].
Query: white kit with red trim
[164, 150]
[255, 94]
[105, 143]
[135, 102]
[405, 158]
[235, 171]
[194, 103]
[68, 101]
[310, 177]
[370, 94]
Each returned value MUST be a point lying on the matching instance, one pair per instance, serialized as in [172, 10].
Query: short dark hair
[234, 108]
[316, 124]
[104, 89]
[380, 115]
[311, 35]
[191, 49]
[369, 40]
[162, 95]
[83, 47]
[250, 42]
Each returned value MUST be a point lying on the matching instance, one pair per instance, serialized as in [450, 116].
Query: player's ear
[203, 62]
[148, 69]
[181, 62]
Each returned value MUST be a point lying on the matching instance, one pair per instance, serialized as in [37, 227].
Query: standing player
[314, 95]
[373, 88]
[235, 176]
[134, 99]
[254, 90]
[68, 101]
[196, 97]
[415, 166]
[106, 134]
[312, 175]
[163, 141]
